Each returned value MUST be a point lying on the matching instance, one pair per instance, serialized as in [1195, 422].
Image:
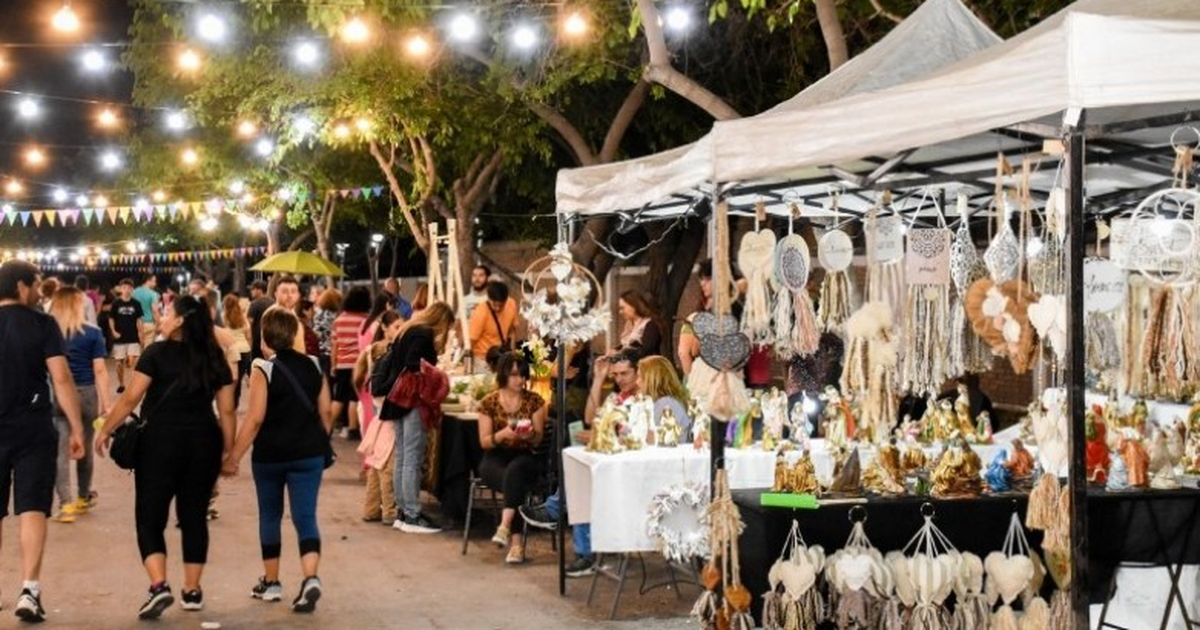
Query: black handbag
[123, 448]
[330, 457]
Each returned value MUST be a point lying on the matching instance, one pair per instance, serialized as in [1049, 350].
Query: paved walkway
[374, 577]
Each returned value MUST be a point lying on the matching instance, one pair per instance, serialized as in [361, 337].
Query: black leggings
[180, 462]
[512, 472]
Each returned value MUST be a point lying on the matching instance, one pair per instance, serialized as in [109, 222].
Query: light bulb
[28, 108]
[60, 195]
[237, 187]
[101, 201]
[417, 46]
[363, 125]
[355, 31]
[575, 25]
[264, 147]
[94, 61]
[463, 27]
[176, 121]
[211, 28]
[65, 20]
[341, 131]
[13, 187]
[107, 118]
[306, 54]
[247, 129]
[189, 60]
[110, 161]
[208, 223]
[524, 37]
[304, 125]
[679, 19]
[35, 157]
[189, 157]
[808, 406]
[82, 201]
[158, 196]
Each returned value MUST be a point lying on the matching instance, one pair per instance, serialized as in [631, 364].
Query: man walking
[147, 296]
[124, 321]
[259, 303]
[31, 359]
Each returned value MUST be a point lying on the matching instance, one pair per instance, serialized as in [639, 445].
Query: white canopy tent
[938, 34]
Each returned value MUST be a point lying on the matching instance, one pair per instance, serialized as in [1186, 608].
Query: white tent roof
[937, 34]
[1110, 57]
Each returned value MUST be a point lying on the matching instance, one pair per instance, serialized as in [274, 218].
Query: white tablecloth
[614, 492]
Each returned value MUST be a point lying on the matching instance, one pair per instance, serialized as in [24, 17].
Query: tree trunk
[831, 30]
[394, 269]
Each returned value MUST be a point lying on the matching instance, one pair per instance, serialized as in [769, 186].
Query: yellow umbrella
[299, 263]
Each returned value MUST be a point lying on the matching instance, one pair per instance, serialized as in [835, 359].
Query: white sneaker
[344, 433]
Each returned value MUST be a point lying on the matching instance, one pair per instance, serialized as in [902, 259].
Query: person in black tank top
[288, 423]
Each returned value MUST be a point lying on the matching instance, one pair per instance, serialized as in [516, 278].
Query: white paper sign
[1104, 285]
[835, 250]
[928, 257]
[887, 242]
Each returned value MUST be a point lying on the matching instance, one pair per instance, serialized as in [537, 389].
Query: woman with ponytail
[182, 445]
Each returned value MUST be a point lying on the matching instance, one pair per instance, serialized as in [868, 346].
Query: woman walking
[288, 422]
[421, 339]
[236, 322]
[181, 447]
[346, 328]
[512, 421]
[86, 355]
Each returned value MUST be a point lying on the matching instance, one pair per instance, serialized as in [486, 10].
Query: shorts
[343, 386]
[28, 465]
[123, 350]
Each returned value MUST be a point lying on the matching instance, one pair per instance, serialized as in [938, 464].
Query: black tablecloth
[1157, 527]
[459, 455]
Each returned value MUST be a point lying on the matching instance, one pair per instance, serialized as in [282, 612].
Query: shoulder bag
[307, 402]
[123, 449]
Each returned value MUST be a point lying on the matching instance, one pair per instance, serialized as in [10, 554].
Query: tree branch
[417, 229]
[620, 123]
[661, 71]
[301, 237]
[483, 182]
[831, 30]
[567, 130]
[880, 10]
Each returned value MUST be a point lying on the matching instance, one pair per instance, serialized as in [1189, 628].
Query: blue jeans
[302, 479]
[410, 456]
[581, 533]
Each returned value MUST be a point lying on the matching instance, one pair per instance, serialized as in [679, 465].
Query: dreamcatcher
[869, 370]
[725, 603]
[930, 564]
[1011, 573]
[885, 256]
[927, 310]
[859, 581]
[968, 353]
[794, 601]
[835, 251]
[756, 257]
[796, 330]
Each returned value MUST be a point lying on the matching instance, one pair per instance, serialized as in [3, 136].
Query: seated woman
[658, 380]
[512, 421]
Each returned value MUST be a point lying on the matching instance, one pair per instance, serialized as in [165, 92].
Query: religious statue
[1162, 465]
[1193, 418]
[983, 428]
[1021, 464]
[1097, 446]
[947, 422]
[802, 478]
[839, 424]
[605, 436]
[957, 472]
[884, 475]
[780, 483]
[1138, 417]
[962, 413]
[1135, 458]
[914, 457]
[669, 431]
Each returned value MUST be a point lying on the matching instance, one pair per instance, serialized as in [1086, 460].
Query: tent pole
[560, 433]
[1074, 180]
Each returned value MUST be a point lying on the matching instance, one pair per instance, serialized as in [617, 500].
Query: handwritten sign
[1104, 285]
[887, 241]
[928, 257]
[835, 250]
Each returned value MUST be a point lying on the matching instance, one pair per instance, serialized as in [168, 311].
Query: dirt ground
[374, 577]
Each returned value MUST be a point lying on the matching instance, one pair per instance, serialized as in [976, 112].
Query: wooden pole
[560, 434]
[1076, 404]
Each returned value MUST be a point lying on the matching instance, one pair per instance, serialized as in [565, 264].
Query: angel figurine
[669, 431]
[962, 413]
[838, 423]
[774, 415]
[605, 436]
[800, 427]
[1162, 465]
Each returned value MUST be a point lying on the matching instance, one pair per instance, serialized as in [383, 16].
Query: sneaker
[538, 516]
[192, 600]
[159, 599]
[29, 607]
[344, 433]
[267, 591]
[502, 536]
[310, 592]
[81, 506]
[418, 525]
[582, 567]
[516, 555]
[65, 514]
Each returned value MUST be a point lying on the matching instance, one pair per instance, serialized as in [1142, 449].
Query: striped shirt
[345, 333]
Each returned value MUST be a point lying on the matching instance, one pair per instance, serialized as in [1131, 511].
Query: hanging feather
[836, 301]
[869, 369]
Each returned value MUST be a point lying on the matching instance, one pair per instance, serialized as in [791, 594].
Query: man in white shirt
[480, 276]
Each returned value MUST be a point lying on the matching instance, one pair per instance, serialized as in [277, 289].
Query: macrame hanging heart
[933, 564]
[794, 601]
[756, 257]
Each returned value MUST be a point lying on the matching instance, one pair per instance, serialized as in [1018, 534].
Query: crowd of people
[309, 362]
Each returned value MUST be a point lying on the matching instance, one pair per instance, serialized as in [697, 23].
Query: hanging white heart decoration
[797, 577]
[929, 576]
[1011, 574]
[855, 571]
[904, 584]
[757, 253]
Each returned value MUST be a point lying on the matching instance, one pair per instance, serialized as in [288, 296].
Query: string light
[463, 27]
[107, 118]
[110, 161]
[341, 131]
[65, 20]
[190, 157]
[237, 187]
[94, 61]
[189, 60]
[679, 19]
[575, 25]
[13, 187]
[363, 125]
[303, 125]
[208, 223]
[355, 31]
[306, 54]
[28, 108]
[82, 201]
[158, 196]
[264, 147]
[524, 37]
[60, 195]
[176, 121]
[35, 157]
[211, 28]
[417, 46]
[247, 129]
[101, 201]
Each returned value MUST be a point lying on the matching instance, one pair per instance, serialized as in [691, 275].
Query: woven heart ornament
[725, 352]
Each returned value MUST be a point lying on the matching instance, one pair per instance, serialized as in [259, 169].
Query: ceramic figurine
[848, 481]
[669, 431]
[998, 475]
[962, 413]
[802, 477]
[983, 428]
[1138, 416]
[1097, 446]
[605, 436]
[838, 423]
[1021, 464]
[1193, 418]
[957, 472]
[1135, 458]
[781, 474]
[1162, 465]
[1118, 477]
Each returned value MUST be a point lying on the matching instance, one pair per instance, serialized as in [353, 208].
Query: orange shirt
[483, 331]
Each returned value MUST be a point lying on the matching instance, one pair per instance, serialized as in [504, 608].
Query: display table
[614, 492]
[1159, 528]
[459, 454]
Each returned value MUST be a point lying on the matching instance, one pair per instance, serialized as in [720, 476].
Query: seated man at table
[622, 368]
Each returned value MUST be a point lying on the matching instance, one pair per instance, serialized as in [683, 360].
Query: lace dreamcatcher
[835, 251]
[927, 309]
[968, 353]
[796, 330]
[885, 259]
